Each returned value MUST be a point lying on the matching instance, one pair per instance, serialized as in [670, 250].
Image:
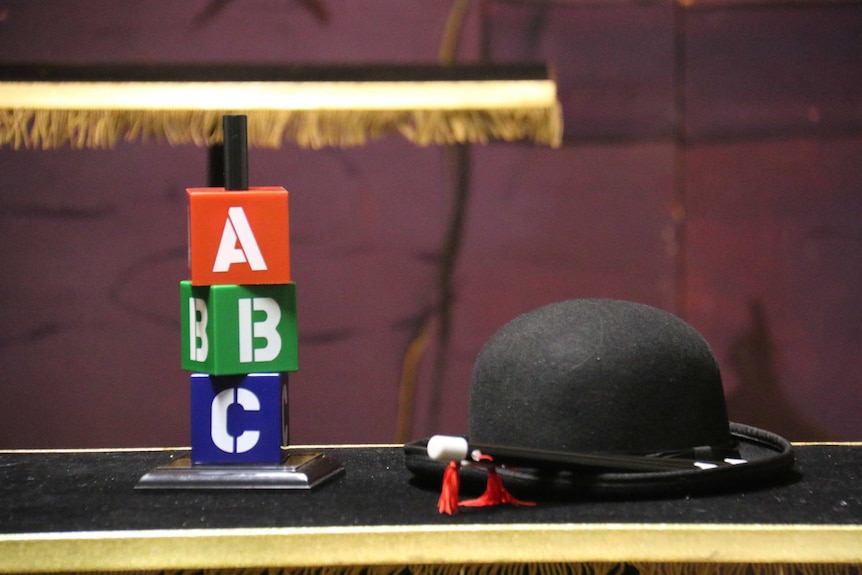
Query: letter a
[236, 227]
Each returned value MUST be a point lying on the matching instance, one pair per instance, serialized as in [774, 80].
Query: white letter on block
[236, 227]
[198, 330]
[266, 329]
[218, 426]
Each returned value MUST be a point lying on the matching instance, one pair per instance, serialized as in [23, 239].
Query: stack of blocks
[238, 324]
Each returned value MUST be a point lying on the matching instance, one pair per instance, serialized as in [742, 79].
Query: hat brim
[768, 460]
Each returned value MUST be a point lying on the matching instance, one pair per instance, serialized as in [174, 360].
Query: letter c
[218, 426]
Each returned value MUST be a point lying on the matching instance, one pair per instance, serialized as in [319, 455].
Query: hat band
[728, 450]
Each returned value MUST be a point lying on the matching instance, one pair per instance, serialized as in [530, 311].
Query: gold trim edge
[431, 545]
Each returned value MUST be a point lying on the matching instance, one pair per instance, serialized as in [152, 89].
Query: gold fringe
[745, 569]
[47, 129]
[540, 569]
[536, 569]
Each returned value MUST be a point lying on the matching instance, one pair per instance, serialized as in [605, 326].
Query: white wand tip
[447, 448]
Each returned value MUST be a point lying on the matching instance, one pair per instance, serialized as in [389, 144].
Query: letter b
[266, 329]
[239, 329]
[198, 330]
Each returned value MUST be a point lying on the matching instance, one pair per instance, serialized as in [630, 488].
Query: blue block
[238, 419]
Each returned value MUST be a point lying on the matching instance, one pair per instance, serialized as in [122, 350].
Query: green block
[239, 329]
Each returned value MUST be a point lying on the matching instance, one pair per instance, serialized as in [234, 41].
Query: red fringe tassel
[448, 501]
[495, 492]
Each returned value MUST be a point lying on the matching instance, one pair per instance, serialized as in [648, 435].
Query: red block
[239, 237]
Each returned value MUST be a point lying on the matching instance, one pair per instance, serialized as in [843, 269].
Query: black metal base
[297, 471]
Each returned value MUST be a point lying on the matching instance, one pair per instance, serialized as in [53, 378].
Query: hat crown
[598, 375]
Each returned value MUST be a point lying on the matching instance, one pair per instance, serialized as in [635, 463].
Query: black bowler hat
[595, 381]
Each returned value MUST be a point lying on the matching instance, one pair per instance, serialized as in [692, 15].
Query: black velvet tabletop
[94, 491]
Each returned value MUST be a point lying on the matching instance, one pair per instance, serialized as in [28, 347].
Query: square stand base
[297, 471]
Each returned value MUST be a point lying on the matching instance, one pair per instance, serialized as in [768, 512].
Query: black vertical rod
[235, 152]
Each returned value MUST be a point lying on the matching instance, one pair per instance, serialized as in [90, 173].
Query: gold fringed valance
[50, 107]
[46, 129]
[539, 569]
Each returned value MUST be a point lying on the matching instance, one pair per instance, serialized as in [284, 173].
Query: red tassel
[495, 493]
[448, 501]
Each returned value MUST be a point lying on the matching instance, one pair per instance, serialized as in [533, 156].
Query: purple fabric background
[711, 168]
